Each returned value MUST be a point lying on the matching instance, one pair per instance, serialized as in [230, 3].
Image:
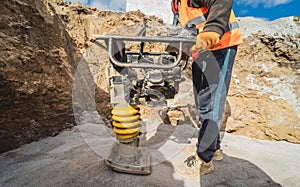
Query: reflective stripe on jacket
[197, 16]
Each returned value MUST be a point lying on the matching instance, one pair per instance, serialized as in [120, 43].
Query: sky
[266, 9]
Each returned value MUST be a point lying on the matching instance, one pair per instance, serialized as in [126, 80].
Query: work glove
[205, 40]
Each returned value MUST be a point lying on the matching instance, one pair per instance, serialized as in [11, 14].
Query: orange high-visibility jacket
[197, 16]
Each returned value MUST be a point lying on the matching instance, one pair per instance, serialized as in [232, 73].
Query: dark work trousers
[211, 78]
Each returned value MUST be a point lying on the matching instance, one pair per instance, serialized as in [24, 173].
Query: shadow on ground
[66, 160]
[236, 172]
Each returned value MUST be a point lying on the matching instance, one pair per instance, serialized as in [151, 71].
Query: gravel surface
[67, 160]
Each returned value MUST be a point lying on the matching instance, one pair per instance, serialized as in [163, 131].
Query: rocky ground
[75, 158]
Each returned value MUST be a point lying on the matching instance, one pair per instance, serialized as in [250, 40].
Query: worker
[213, 57]
[174, 7]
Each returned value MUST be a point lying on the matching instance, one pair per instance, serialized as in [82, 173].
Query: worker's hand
[205, 40]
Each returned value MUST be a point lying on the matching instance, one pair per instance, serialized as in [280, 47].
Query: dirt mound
[264, 93]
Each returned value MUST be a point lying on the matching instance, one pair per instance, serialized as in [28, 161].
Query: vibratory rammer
[140, 78]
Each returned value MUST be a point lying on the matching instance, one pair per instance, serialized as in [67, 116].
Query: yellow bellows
[126, 121]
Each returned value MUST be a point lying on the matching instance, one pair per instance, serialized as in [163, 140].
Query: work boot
[218, 155]
[193, 167]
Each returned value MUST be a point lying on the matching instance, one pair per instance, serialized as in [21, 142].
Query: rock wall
[37, 61]
[265, 89]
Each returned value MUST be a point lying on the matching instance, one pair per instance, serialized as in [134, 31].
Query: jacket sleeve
[218, 15]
